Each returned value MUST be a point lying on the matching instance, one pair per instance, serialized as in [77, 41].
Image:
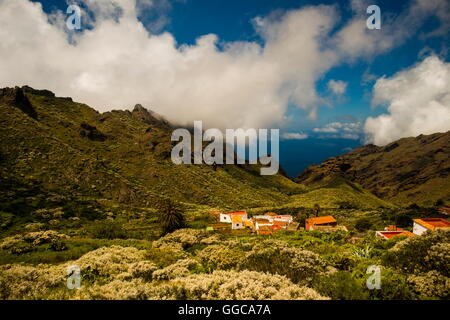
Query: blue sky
[421, 30]
[232, 21]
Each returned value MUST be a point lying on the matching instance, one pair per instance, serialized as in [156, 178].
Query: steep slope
[66, 149]
[410, 170]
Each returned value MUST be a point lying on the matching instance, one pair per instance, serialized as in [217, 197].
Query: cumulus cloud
[334, 127]
[354, 40]
[338, 87]
[340, 130]
[294, 136]
[116, 62]
[418, 102]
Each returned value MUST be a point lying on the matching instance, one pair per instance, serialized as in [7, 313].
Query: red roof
[318, 221]
[280, 223]
[321, 220]
[433, 223]
[239, 213]
[390, 234]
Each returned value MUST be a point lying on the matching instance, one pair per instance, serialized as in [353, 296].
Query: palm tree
[171, 217]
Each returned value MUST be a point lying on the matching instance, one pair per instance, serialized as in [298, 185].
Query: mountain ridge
[409, 170]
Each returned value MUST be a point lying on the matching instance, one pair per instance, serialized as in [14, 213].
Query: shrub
[394, 286]
[108, 230]
[5, 219]
[432, 285]
[347, 205]
[438, 258]
[420, 254]
[23, 243]
[276, 257]
[107, 262]
[181, 239]
[26, 282]
[340, 285]
[248, 285]
[220, 257]
[164, 256]
[180, 268]
[363, 224]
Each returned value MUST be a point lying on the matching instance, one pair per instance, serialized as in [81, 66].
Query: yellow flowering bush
[432, 285]
[180, 268]
[277, 257]
[220, 257]
[438, 257]
[247, 285]
[27, 282]
[21, 243]
[420, 254]
[182, 238]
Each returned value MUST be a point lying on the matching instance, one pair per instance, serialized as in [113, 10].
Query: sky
[311, 68]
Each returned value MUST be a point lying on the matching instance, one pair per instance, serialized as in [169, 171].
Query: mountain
[55, 148]
[410, 170]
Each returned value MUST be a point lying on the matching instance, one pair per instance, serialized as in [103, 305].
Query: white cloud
[355, 40]
[116, 62]
[340, 130]
[338, 87]
[335, 127]
[325, 130]
[294, 136]
[418, 102]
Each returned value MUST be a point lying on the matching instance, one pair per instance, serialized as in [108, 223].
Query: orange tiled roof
[280, 223]
[433, 223]
[390, 234]
[271, 214]
[236, 219]
[248, 223]
[321, 220]
[236, 213]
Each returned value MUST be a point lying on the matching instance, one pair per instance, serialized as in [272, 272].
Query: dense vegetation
[99, 191]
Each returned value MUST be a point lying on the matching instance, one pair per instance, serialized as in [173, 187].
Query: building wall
[225, 218]
[418, 229]
[236, 226]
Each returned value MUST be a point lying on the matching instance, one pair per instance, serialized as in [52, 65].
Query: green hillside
[68, 149]
[410, 170]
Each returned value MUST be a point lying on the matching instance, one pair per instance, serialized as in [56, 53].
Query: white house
[237, 222]
[286, 218]
[420, 226]
[226, 217]
[262, 222]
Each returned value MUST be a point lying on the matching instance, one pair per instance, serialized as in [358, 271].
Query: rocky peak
[149, 117]
[16, 97]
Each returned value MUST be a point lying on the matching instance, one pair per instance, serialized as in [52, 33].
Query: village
[271, 222]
